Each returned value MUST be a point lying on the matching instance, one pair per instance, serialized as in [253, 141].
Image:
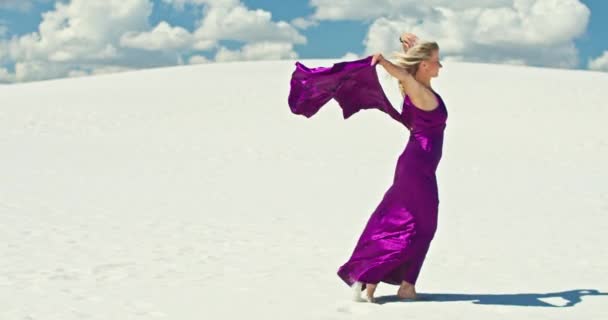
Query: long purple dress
[397, 236]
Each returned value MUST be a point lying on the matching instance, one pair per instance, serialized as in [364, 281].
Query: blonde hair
[413, 57]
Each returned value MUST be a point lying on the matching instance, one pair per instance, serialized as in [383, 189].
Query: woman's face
[432, 65]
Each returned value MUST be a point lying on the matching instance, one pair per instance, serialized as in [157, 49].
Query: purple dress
[397, 236]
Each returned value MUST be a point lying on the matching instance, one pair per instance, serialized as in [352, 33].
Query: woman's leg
[370, 288]
[407, 291]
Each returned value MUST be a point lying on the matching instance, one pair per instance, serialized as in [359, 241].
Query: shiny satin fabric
[397, 236]
[353, 84]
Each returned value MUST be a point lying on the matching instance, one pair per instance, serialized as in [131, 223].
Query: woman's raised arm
[422, 97]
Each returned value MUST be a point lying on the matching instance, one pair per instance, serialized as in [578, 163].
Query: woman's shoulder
[438, 101]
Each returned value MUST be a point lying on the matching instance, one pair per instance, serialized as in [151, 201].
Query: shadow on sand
[571, 298]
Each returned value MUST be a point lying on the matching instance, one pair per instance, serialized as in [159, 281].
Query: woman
[396, 238]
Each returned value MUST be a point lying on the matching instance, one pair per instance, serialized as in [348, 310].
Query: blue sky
[331, 39]
[595, 39]
[332, 36]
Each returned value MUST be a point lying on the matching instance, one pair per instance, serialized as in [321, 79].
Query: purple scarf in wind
[353, 84]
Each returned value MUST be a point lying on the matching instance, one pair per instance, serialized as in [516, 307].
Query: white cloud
[371, 9]
[204, 44]
[4, 54]
[600, 63]
[197, 59]
[6, 76]
[542, 22]
[75, 33]
[304, 23]
[350, 56]
[357, 9]
[537, 32]
[77, 73]
[180, 4]
[231, 20]
[85, 36]
[241, 24]
[98, 71]
[163, 37]
[258, 51]
[110, 69]
[34, 70]
[81, 37]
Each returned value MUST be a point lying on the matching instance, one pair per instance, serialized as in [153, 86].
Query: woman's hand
[377, 58]
[408, 40]
[394, 70]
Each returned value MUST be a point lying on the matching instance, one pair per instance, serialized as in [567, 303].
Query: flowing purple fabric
[353, 84]
[396, 239]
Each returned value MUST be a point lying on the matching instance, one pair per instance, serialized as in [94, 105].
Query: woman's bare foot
[370, 288]
[407, 291]
[357, 288]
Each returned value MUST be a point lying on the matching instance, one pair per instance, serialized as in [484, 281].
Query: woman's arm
[422, 97]
[393, 70]
[410, 85]
[407, 40]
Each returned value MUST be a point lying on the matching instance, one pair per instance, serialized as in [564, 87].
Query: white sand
[194, 193]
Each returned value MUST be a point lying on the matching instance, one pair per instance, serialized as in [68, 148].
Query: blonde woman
[397, 236]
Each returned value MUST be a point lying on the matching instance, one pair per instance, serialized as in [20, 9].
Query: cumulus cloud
[371, 9]
[258, 51]
[304, 23]
[6, 76]
[163, 37]
[80, 37]
[110, 69]
[539, 32]
[3, 51]
[349, 56]
[76, 33]
[77, 73]
[600, 63]
[242, 24]
[198, 59]
[180, 4]
[33, 70]
[231, 20]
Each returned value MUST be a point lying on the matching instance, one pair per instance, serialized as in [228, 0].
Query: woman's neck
[425, 81]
